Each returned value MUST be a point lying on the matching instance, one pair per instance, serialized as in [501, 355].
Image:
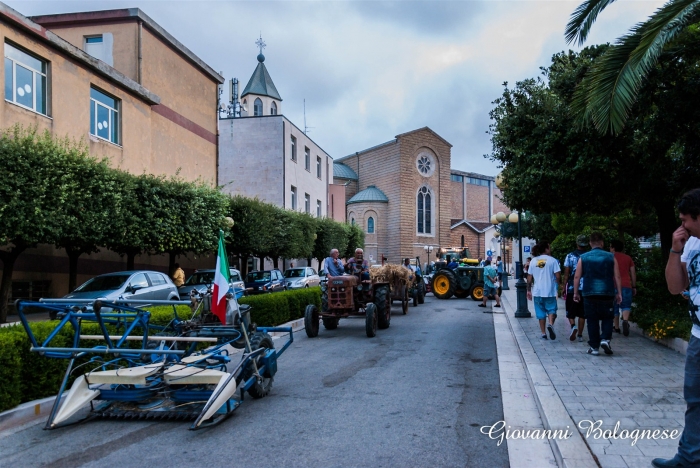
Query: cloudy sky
[370, 70]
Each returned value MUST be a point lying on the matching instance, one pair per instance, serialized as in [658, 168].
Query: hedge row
[27, 376]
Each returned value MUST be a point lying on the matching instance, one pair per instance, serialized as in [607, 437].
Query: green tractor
[465, 280]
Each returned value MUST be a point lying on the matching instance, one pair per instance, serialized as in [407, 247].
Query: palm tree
[609, 89]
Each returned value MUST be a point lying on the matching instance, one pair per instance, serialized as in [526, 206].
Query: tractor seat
[183, 375]
[127, 376]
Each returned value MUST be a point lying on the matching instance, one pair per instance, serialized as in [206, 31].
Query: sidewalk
[640, 386]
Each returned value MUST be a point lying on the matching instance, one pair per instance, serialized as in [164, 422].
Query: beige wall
[477, 202]
[336, 202]
[249, 103]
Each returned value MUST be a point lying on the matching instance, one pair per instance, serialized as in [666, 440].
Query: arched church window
[424, 211]
[352, 221]
[273, 108]
[370, 225]
[258, 110]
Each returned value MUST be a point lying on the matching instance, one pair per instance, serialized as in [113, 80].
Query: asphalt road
[413, 396]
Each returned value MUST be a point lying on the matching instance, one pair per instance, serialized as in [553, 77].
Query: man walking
[545, 271]
[333, 266]
[574, 310]
[490, 278]
[601, 277]
[178, 276]
[628, 278]
[683, 272]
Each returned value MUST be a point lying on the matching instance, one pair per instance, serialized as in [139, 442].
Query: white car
[302, 277]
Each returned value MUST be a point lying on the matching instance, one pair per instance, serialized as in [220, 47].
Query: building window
[424, 201]
[100, 47]
[318, 208]
[307, 203]
[273, 108]
[370, 225]
[257, 107]
[462, 240]
[294, 197]
[294, 149]
[25, 79]
[424, 164]
[475, 181]
[319, 169]
[352, 221]
[104, 116]
[456, 178]
[307, 159]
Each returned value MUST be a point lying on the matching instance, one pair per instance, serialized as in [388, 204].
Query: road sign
[526, 248]
[489, 253]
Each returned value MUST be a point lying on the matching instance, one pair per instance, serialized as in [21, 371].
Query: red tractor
[345, 296]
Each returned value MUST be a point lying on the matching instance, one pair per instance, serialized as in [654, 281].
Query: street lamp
[522, 310]
[428, 250]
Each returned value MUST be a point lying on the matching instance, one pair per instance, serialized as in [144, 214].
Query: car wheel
[306, 286]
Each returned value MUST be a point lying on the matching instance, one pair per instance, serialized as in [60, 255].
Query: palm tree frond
[583, 18]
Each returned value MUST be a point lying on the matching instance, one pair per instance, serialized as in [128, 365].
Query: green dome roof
[370, 194]
[341, 171]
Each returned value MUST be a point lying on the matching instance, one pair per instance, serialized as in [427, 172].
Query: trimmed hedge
[27, 376]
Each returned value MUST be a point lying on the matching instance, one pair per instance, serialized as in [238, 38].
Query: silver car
[140, 285]
[303, 277]
[202, 279]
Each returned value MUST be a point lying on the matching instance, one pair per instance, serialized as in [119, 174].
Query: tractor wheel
[461, 293]
[311, 321]
[421, 292]
[478, 292]
[330, 323]
[415, 298]
[383, 304]
[404, 302]
[444, 284]
[263, 387]
[324, 298]
[371, 320]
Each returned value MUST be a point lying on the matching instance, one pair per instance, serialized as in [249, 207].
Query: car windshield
[104, 283]
[258, 276]
[200, 277]
[294, 273]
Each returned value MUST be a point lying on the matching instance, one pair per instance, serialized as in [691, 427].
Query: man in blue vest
[601, 287]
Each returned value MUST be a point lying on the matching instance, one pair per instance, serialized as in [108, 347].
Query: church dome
[341, 171]
[370, 194]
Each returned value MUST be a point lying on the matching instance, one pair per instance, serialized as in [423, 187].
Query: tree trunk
[8, 264]
[262, 263]
[171, 263]
[130, 257]
[668, 222]
[73, 255]
[275, 262]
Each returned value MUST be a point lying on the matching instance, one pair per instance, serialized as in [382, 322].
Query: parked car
[202, 279]
[264, 281]
[140, 285]
[322, 274]
[301, 277]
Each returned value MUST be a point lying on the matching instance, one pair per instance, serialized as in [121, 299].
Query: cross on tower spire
[260, 43]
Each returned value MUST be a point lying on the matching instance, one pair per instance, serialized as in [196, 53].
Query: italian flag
[221, 282]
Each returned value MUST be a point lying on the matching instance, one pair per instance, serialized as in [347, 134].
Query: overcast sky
[371, 70]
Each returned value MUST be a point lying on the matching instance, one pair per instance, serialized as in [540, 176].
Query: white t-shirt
[543, 269]
[691, 258]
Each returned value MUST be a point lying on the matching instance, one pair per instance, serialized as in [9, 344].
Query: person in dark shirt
[358, 265]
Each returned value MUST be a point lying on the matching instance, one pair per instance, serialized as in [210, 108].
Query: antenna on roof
[306, 129]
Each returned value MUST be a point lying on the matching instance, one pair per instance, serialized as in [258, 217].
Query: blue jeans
[689, 444]
[626, 301]
[599, 317]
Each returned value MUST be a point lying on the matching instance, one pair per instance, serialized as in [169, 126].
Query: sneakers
[593, 351]
[550, 329]
[605, 344]
[544, 337]
[574, 331]
[497, 305]
[617, 330]
[625, 328]
[580, 338]
[482, 305]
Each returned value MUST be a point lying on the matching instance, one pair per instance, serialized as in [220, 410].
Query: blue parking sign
[526, 248]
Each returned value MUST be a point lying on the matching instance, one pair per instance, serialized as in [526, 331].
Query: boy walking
[628, 278]
[490, 278]
[574, 310]
[545, 271]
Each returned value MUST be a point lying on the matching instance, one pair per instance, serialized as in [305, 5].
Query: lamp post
[428, 250]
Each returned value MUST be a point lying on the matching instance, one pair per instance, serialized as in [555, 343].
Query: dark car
[141, 285]
[203, 279]
[264, 281]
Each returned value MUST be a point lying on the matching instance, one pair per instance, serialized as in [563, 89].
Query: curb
[36, 409]
[569, 453]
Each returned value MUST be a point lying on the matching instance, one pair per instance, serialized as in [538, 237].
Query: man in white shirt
[683, 273]
[545, 271]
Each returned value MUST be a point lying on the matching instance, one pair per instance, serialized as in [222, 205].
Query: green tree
[609, 90]
[356, 239]
[330, 234]
[34, 194]
[254, 229]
